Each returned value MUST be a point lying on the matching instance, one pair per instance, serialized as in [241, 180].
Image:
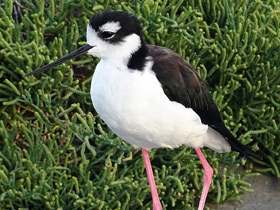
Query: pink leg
[151, 179]
[207, 178]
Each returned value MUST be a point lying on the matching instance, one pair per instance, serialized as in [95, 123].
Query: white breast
[133, 104]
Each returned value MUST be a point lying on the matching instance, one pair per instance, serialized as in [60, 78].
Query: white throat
[122, 52]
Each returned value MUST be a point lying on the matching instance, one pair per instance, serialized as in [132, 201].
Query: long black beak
[80, 51]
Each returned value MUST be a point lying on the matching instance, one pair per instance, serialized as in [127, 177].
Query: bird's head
[110, 35]
[114, 34]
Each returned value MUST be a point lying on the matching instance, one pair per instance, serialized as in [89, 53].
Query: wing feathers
[182, 84]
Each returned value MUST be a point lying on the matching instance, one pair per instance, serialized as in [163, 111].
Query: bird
[150, 96]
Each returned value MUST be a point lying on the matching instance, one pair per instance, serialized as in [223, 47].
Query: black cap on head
[128, 22]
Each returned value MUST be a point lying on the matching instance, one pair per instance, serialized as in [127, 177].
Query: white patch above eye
[111, 26]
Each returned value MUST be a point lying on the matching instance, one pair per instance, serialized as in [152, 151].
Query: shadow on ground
[266, 196]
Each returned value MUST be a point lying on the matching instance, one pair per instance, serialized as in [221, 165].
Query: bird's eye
[107, 34]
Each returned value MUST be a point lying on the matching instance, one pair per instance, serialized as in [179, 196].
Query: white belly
[134, 106]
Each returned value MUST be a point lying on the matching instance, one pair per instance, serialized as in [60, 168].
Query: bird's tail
[235, 144]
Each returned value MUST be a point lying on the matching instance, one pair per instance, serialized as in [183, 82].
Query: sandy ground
[266, 196]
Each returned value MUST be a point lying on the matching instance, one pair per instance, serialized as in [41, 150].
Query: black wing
[182, 84]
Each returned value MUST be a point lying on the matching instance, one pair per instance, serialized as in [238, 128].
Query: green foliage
[55, 153]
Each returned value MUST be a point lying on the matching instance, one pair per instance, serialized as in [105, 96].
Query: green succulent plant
[56, 153]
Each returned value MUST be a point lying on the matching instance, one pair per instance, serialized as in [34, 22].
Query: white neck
[122, 52]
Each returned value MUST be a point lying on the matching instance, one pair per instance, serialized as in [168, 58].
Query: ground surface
[266, 196]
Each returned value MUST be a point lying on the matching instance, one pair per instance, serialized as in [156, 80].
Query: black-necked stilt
[150, 96]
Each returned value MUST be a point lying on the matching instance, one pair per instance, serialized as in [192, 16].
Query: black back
[182, 84]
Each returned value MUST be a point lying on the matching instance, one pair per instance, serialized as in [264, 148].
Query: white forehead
[110, 26]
